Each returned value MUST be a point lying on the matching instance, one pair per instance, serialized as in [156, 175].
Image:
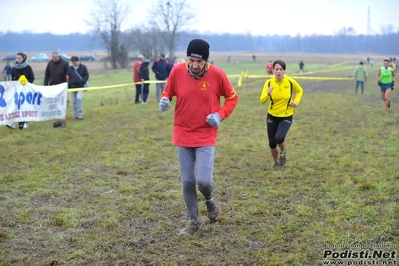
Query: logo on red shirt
[204, 85]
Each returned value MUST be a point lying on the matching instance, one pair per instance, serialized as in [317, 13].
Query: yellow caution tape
[332, 66]
[239, 83]
[321, 78]
[132, 84]
[115, 86]
[300, 77]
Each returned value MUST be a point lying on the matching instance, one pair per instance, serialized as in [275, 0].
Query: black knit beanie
[198, 48]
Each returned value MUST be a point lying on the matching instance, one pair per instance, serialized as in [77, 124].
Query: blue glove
[164, 104]
[214, 119]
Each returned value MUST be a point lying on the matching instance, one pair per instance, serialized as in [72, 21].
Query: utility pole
[368, 22]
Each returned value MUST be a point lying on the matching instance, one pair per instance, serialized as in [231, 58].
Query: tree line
[388, 44]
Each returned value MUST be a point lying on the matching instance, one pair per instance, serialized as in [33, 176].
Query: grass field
[106, 190]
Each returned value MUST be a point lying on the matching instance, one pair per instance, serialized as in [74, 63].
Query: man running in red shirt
[198, 86]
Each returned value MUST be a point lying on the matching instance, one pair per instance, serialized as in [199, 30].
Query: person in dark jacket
[161, 68]
[7, 72]
[20, 68]
[56, 70]
[78, 75]
[144, 75]
[301, 66]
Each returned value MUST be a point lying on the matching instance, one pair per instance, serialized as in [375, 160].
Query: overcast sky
[258, 17]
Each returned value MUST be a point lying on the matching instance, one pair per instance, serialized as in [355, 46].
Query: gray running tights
[196, 166]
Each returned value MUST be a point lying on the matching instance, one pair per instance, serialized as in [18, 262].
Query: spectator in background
[136, 77]
[144, 75]
[269, 68]
[371, 62]
[7, 72]
[78, 75]
[175, 58]
[178, 61]
[301, 66]
[161, 68]
[55, 74]
[393, 65]
[360, 75]
[254, 58]
[20, 68]
[198, 87]
[56, 70]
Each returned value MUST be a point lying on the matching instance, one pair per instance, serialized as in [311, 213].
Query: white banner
[31, 102]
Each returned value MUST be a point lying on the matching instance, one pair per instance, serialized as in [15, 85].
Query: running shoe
[283, 159]
[213, 209]
[191, 228]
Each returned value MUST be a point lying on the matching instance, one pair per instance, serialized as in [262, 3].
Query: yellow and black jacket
[281, 96]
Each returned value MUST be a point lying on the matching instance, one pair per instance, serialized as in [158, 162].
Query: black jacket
[56, 72]
[27, 71]
[144, 72]
[74, 80]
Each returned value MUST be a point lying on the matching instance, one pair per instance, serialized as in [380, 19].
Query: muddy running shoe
[191, 228]
[276, 165]
[213, 209]
[389, 103]
[283, 159]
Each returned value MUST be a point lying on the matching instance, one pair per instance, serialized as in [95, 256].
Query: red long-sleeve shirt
[196, 99]
[136, 69]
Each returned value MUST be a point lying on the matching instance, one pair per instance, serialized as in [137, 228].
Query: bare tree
[387, 29]
[346, 31]
[170, 18]
[106, 21]
[148, 41]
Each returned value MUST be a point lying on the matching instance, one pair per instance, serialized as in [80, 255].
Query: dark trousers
[361, 83]
[138, 92]
[146, 91]
[277, 129]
